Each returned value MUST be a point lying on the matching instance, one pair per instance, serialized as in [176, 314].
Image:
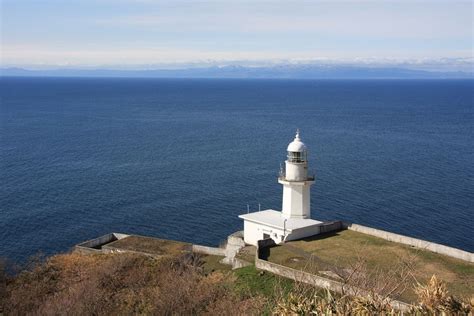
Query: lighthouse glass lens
[295, 156]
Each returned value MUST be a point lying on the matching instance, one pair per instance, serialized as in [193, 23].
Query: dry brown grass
[433, 299]
[124, 284]
[118, 284]
[151, 245]
[3, 285]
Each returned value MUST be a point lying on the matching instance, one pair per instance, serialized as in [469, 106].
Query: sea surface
[181, 158]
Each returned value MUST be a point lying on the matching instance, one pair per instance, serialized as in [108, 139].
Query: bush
[122, 284]
[117, 284]
[433, 297]
[3, 285]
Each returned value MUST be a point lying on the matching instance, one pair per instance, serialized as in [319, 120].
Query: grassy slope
[129, 283]
[109, 284]
[118, 284]
[346, 247]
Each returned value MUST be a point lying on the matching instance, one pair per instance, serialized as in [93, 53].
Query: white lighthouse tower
[294, 221]
[295, 181]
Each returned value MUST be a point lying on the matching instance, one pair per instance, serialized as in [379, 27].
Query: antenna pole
[259, 207]
[248, 208]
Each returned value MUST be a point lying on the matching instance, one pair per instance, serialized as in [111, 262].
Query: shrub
[122, 284]
[434, 299]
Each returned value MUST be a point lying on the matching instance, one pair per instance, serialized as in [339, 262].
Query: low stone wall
[315, 280]
[298, 275]
[214, 251]
[235, 242]
[419, 243]
[328, 227]
[239, 263]
[95, 245]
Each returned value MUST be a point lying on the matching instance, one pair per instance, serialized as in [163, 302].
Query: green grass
[247, 253]
[248, 282]
[345, 248]
[252, 282]
[212, 263]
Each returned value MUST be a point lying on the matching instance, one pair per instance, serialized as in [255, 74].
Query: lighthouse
[294, 220]
[295, 181]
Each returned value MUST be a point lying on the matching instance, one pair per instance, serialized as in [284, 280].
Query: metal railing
[282, 176]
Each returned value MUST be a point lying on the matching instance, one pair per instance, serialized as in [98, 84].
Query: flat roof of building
[275, 219]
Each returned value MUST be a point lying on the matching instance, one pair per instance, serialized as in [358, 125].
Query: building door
[266, 236]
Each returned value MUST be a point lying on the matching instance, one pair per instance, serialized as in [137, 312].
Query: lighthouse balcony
[282, 177]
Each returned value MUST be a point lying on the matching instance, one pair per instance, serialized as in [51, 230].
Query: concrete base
[273, 224]
[235, 243]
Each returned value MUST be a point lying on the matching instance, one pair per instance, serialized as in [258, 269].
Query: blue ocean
[181, 158]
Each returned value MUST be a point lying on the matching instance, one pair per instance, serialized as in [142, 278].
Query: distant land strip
[241, 72]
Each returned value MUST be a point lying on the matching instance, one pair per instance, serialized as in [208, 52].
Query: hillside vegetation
[115, 284]
[119, 284]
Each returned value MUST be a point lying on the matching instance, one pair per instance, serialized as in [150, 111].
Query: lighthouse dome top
[296, 145]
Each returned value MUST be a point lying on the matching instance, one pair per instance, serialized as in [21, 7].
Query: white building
[294, 221]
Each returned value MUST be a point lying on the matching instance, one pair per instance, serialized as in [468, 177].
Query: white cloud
[32, 55]
[400, 20]
[132, 32]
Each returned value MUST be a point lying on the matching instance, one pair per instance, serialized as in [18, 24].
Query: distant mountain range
[278, 71]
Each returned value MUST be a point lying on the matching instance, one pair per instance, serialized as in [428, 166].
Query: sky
[136, 33]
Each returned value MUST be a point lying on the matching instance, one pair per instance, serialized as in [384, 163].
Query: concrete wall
[298, 275]
[236, 239]
[86, 251]
[120, 235]
[235, 242]
[96, 242]
[95, 245]
[251, 233]
[309, 231]
[308, 278]
[303, 232]
[254, 232]
[328, 227]
[239, 263]
[419, 243]
[209, 250]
